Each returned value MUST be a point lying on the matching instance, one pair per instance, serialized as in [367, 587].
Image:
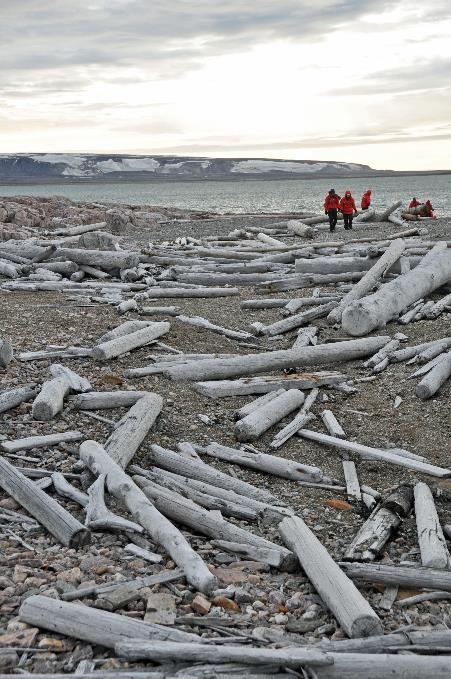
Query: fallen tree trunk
[125, 343]
[252, 426]
[246, 365]
[412, 577]
[13, 397]
[62, 525]
[359, 665]
[112, 259]
[50, 400]
[375, 311]
[99, 400]
[434, 379]
[292, 322]
[30, 442]
[264, 385]
[160, 529]
[158, 293]
[434, 552]
[353, 612]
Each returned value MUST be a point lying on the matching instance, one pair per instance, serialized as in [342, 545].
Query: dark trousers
[348, 221]
[333, 218]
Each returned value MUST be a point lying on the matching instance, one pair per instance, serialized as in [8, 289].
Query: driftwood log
[434, 552]
[260, 420]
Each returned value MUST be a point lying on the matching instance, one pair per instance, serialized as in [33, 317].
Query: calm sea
[251, 196]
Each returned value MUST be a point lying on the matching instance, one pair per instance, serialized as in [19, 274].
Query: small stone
[53, 645]
[200, 604]
[242, 596]
[20, 573]
[280, 619]
[73, 575]
[24, 637]
[160, 609]
[227, 604]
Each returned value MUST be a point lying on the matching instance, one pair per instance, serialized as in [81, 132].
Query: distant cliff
[59, 166]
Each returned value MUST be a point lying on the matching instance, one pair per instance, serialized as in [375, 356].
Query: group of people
[346, 205]
[427, 209]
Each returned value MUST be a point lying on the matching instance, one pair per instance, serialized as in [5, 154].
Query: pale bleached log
[297, 227]
[176, 507]
[383, 217]
[123, 329]
[257, 403]
[62, 525]
[112, 259]
[92, 624]
[196, 652]
[297, 423]
[383, 353]
[369, 280]
[380, 666]
[410, 352]
[266, 384]
[9, 270]
[380, 526]
[50, 400]
[128, 435]
[13, 397]
[263, 303]
[270, 464]
[268, 240]
[269, 556]
[127, 305]
[6, 353]
[41, 274]
[78, 230]
[122, 345]
[66, 489]
[199, 322]
[16, 445]
[411, 313]
[292, 322]
[340, 595]
[431, 352]
[434, 553]
[158, 293]
[427, 366]
[256, 423]
[305, 337]
[352, 481]
[375, 453]
[435, 378]
[426, 638]
[275, 360]
[394, 219]
[76, 383]
[411, 577]
[94, 272]
[374, 311]
[330, 265]
[299, 281]
[143, 553]
[332, 425]
[101, 400]
[69, 352]
[440, 306]
[301, 302]
[160, 311]
[427, 596]
[193, 469]
[160, 529]
[99, 517]
[365, 216]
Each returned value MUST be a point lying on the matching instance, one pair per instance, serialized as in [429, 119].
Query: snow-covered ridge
[69, 165]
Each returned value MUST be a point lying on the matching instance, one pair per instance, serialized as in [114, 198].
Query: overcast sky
[365, 81]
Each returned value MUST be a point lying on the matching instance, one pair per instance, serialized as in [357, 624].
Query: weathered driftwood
[434, 552]
[332, 425]
[353, 490]
[326, 265]
[160, 311]
[297, 423]
[77, 230]
[270, 556]
[270, 464]
[40, 441]
[50, 400]
[13, 397]
[440, 306]
[266, 384]
[66, 489]
[196, 652]
[113, 259]
[125, 440]
[380, 526]
[92, 624]
[432, 351]
[411, 577]
[308, 281]
[199, 322]
[256, 423]
[371, 666]
[376, 310]
[158, 293]
[263, 303]
[62, 525]
[292, 322]
[161, 530]
[383, 217]
[122, 329]
[125, 343]
[411, 352]
[75, 381]
[305, 337]
[9, 270]
[355, 615]
[383, 353]
[369, 280]
[427, 638]
[273, 360]
[375, 453]
[100, 400]
[6, 353]
[143, 553]
[127, 305]
[435, 378]
[257, 403]
[193, 469]
[301, 302]
[427, 596]
[69, 352]
[99, 517]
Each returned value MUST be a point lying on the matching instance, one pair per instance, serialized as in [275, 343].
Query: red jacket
[347, 205]
[414, 203]
[366, 200]
[332, 202]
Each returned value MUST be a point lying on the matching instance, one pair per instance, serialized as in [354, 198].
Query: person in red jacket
[366, 200]
[414, 203]
[348, 208]
[331, 207]
[430, 209]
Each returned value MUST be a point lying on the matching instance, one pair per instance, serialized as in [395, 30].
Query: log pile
[216, 571]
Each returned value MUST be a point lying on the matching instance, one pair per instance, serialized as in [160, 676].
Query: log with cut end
[50, 400]
[410, 577]
[332, 425]
[92, 624]
[340, 595]
[435, 378]
[266, 384]
[257, 403]
[100, 400]
[256, 423]
[6, 353]
[188, 513]
[297, 227]
[383, 217]
[160, 529]
[206, 653]
[328, 265]
[434, 552]
[47, 511]
[122, 329]
[122, 345]
[308, 281]
[30, 442]
[369, 313]
[292, 322]
[277, 360]
[381, 666]
[369, 280]
[13, 397]
[269, 464]
[112, 259]
[302, 418]
[75, 381]
[125, 440]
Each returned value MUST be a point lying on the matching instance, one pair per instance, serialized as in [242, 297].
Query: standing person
[414, 202]
[331, 207]
[348, 208]
[366, 200]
